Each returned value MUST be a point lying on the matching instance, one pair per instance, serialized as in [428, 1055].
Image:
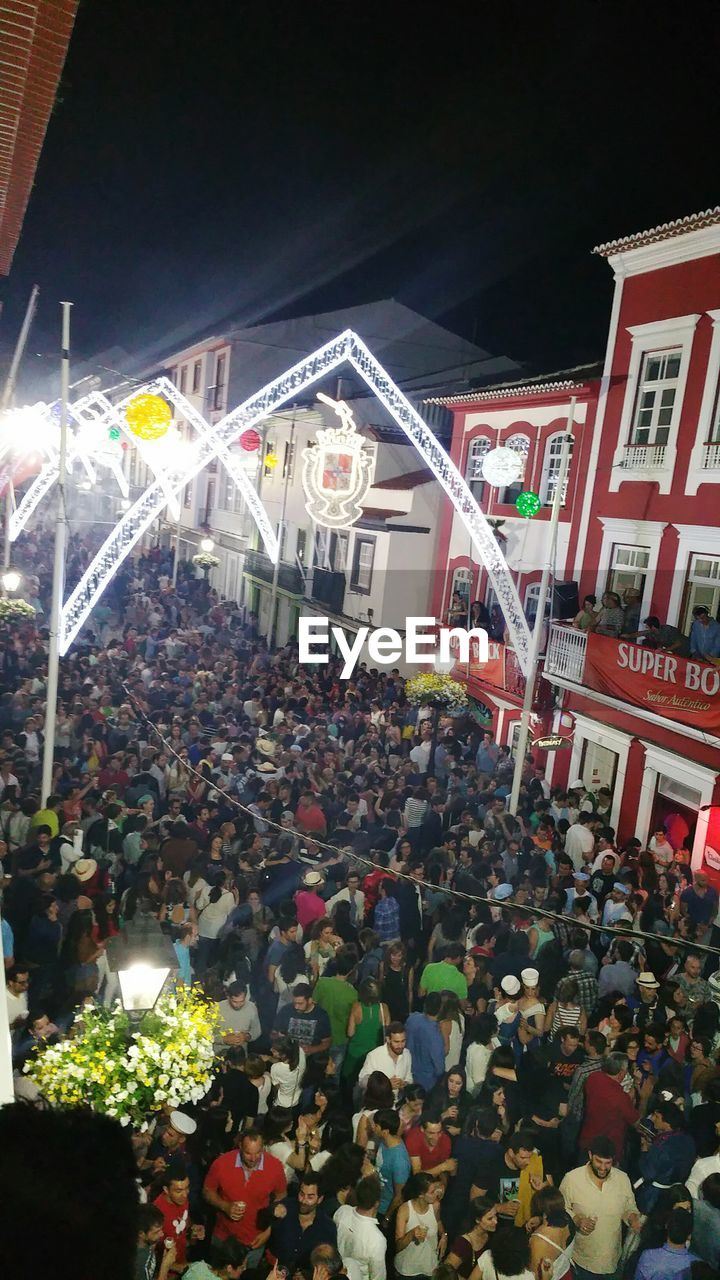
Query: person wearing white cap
[581, 889]
[169, 1143]
[508, 1015]
[530, 1005]
[616, 907]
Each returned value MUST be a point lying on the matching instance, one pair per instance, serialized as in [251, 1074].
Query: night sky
[211, 159]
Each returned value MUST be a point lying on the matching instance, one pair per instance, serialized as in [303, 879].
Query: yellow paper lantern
[148, 417]
[271, 460]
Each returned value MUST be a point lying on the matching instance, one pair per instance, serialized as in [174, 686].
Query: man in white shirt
[353, 894]
[702, 1169]
[661, 850]
[359, 1237]
[17, 981]
[392, 1058]
[579, 840]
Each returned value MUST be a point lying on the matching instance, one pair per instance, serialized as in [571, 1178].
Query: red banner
[673, 687]
[492, 671]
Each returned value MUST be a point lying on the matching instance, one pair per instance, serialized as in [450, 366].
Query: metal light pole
[281, 526]
[58, 583]
[536, 637]
[178, 531]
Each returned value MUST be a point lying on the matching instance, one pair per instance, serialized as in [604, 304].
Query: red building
[530, 418]
[641, 512]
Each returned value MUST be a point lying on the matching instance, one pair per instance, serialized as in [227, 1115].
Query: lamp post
[143, 957]
[536, 638]
[276, 567]
[59, 563]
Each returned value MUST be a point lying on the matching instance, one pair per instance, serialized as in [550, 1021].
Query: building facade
[641, 512]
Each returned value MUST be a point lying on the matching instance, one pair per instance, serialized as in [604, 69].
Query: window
[714, 437]
[362, 566]
[187, 499]
[183, 379]
[628, 568]
[520, 445]
[598, 766]
[219, 388]
[210, 501]
[702, 587]
[301, 544]
[461, 581]
[657, 388]
[288, 459]
[551, 469]
[479, 448]
[338, 553]
[197, 372]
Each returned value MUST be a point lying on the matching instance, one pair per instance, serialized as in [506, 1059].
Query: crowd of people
[619, 616]
[454, 1043]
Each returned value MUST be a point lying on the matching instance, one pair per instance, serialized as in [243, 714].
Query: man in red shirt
[238, 1185]
[429, 1147]
[174, 1205]
[309, 817]
[608, 1109]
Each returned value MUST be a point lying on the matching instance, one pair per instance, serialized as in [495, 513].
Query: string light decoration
[114, 433]
[502, 467]
[528, 503]
[148, 416]
[250, 441]
[218, 439]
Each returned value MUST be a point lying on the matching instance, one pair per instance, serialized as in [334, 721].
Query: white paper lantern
[501, 466]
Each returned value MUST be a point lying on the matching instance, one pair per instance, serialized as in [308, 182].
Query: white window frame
[692, 539]
[655, 387]
[360, 573]
[588, 730]
[478, 449]
[704, 465]
[658, 462]
[630, 533]
[520, 443]
[628, 568]
[687, 772]
[551, 468]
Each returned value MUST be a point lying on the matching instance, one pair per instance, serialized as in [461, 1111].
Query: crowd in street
[455, 1042]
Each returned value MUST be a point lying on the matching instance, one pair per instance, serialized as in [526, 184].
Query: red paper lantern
[250, 441]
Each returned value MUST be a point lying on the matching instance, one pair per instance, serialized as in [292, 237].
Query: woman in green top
[368, 1017]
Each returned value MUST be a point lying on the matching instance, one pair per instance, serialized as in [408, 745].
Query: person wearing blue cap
[581, 889]
[616, 907]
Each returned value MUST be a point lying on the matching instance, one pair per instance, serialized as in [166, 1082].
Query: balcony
[503, 673]
[259, 565]
[663, 687]
[711, 457]
[328, 588]
[566, 653]
[643, 457]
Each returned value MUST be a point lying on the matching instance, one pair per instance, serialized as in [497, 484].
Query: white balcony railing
[711, 457]
[643, 457]
[566, 653]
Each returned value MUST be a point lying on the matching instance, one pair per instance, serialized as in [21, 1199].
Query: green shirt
[200, 1271]
[444, 977]
[336, 997]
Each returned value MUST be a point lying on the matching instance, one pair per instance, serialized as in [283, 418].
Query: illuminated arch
[348, 347]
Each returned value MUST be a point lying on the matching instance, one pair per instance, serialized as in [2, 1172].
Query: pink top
[310, 908]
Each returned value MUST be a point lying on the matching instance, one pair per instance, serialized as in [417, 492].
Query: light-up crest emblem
[337, 471]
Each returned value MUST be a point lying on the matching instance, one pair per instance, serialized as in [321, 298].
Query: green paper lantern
[114, 433]
[528, 503]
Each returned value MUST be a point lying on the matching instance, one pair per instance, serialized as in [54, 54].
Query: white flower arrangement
[167, 1062]
[204, 560]
[13, 610]
[432, 689]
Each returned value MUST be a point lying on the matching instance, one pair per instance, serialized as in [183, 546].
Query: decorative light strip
[347, 346]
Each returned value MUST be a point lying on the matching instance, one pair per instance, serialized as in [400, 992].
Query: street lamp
[11, 581]
[207, 544]
[143, 957]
